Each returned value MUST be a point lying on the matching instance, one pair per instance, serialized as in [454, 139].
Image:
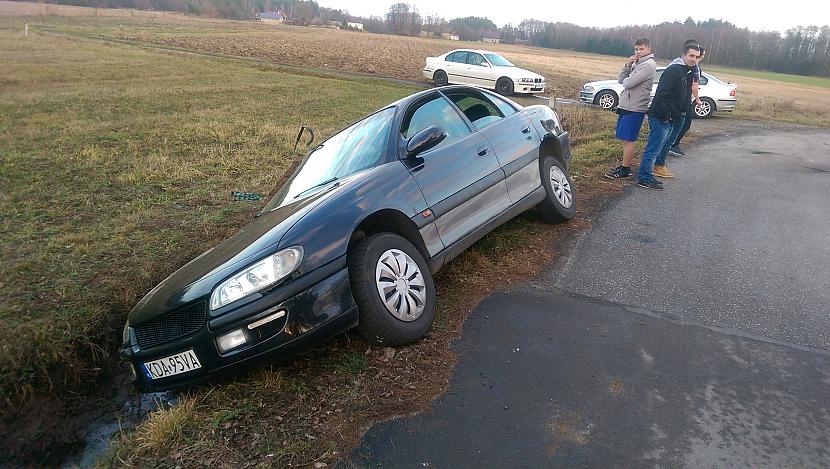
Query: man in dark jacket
[668, 106]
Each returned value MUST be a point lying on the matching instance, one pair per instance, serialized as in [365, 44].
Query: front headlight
[256, 277]
[588, 89]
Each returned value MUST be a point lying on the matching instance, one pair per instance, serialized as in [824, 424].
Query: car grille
[171, 326]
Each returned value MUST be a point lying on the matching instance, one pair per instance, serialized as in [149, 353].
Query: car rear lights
[734, 92]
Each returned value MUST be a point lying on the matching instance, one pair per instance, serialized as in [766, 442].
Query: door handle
[526, 130]
[482, 151]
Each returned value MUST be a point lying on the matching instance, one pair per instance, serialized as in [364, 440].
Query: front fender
[324, 233]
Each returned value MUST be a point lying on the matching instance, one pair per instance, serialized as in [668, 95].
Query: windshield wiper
[316, 186]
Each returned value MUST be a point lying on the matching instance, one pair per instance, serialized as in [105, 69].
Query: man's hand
[633, 59]
[698, 102]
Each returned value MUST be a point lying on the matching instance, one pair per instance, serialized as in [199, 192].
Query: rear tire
[706, 109]
[440, 78]
[560, 200]
[390, 264]
[504, 86]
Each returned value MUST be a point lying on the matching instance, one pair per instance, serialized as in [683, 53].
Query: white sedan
[484, 69]
[714, 94]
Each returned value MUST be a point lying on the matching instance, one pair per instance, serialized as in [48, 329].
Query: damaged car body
[354, 235]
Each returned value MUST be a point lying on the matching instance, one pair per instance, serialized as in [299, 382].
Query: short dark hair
[691, 46]
[642, 41]
[688, 42]
[702, 50]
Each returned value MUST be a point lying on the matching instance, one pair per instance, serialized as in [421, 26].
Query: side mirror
[485, 64]
[425, 140]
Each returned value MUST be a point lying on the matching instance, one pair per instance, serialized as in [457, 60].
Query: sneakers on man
[676, 151]
[662, 172]
[620, 172]
[654, 185]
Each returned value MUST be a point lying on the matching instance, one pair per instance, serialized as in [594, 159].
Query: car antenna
[300, 134]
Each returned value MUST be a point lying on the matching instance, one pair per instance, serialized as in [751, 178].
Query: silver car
[715, 94]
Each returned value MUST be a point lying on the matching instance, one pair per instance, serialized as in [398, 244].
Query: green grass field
[117, 166]
[771, 76]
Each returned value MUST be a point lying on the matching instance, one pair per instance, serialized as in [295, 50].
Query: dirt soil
[382, 55]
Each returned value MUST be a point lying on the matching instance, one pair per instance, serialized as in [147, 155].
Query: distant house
[271, 17]
[493, 37]
[450, 36]
[357, 26]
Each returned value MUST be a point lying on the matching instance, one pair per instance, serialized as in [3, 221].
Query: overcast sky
[777, 16]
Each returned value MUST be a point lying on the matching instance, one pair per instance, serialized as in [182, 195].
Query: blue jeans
[658, 135]
[676, 128]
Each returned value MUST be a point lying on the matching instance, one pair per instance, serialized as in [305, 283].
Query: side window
[450, 58]
[460, 57]
[703, 81]
[475, 59]
[506, 108]
[479, 110]
[436, 111]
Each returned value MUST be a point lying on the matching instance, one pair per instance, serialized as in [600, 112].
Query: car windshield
[498, 60]
[357, 147]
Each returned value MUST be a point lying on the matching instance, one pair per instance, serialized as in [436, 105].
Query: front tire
[504, 86]
[706, 109]
[440, 78]
[393, 288]
[560, 200]
[607, 100]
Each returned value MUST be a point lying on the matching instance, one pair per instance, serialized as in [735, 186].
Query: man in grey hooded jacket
[637, 76]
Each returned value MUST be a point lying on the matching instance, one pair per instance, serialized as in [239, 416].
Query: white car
[714, 94]
[484, 69]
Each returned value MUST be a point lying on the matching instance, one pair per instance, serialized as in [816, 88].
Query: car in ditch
[484, 69]
[715, 95]
[353, 236]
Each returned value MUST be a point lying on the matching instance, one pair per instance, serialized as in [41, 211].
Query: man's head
[642, 47]
[702, 53]
[691, 54]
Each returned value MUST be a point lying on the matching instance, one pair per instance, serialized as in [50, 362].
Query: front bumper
[315, 313]
[587, 97]
[520, 87]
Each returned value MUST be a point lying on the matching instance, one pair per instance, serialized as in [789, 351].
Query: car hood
[603, 83]
[198, 277]
[516, 72]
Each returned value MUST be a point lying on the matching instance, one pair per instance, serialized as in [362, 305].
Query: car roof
[474, 50]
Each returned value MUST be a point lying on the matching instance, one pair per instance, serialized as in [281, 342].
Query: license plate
[172, 365]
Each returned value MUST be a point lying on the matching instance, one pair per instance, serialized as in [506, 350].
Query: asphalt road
[686, 328]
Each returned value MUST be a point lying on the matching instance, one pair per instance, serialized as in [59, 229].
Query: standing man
[666, 109]
[637, 76]
[675, 149]
[660, 169]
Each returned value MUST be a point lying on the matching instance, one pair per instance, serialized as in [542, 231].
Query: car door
[457, 68]
[479, 71]
[460, 178]
[510, 134]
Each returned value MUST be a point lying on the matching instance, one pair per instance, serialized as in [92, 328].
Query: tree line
[802, 50]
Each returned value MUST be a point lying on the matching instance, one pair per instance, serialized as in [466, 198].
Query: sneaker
[676, 151]
[620, 172]
[662, 172]
[654, 185]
